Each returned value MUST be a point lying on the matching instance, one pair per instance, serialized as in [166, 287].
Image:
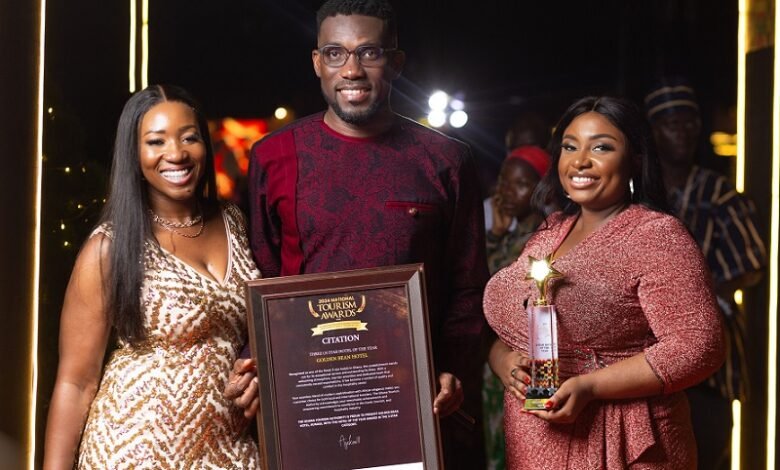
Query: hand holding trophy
[543, 337]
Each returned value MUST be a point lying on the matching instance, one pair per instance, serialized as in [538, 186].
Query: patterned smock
[160, 403]
[637, 284]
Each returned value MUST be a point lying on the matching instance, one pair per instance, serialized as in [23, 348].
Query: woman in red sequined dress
[637, 319]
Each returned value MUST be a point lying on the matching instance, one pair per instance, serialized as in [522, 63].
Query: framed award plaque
[344, 369]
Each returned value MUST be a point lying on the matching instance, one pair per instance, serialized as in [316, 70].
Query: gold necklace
[171, 225]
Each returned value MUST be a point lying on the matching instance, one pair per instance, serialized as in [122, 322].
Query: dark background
[244, 58]
[503, 57]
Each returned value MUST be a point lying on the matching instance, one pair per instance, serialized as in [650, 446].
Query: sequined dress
[160, 403]
[638, 283]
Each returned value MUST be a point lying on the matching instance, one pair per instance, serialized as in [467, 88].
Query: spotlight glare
[437, 118]
[280, 113]
[457, 104]
[438, 101]
[458, 119]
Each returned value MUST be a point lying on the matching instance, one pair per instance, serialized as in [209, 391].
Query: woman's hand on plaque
[569, 401]
[450, 395]
[242, 387]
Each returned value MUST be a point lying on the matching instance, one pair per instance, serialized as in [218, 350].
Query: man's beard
[355, 118]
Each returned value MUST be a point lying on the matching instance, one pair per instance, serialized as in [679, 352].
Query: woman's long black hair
[126, 208]
[627, 117]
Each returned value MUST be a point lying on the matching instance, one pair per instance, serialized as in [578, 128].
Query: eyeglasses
[367, 56]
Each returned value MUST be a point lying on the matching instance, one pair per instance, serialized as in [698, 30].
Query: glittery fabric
[160, 403]
[501, 252]
[639, 283]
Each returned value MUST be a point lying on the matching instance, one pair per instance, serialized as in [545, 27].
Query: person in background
[721, 221]
[359, 186]
[520, 173]
[528, 129]
[637, 320]
[513, 223]
[164, 272]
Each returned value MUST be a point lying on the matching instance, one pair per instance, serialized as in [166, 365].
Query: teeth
[582, 179]
[351, 93]
[175, 175]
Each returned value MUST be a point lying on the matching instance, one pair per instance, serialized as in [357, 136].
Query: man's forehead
[351, 30]
[680, 114]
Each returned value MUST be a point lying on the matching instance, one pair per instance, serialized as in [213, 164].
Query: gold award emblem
[542, 271]
[338, 311]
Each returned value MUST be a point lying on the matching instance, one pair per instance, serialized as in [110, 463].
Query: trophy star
[541, 269]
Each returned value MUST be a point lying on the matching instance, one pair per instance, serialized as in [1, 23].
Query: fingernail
[549, 404]
[527, 380]
[255, 380]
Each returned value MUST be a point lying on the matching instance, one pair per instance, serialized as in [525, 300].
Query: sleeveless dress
[160, 404]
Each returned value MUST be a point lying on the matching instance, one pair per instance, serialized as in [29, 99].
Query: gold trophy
[542, 337]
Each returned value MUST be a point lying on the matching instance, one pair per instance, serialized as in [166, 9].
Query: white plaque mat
[403, 466]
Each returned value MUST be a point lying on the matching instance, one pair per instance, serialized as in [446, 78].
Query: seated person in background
[528, 129]
[513, 220]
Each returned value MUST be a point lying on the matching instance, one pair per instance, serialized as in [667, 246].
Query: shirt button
[412, 211]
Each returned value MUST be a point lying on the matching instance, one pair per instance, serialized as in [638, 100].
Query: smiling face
[595, 165]
[172, 155]
[356, 95]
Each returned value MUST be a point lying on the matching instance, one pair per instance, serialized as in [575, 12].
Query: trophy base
[536, 397]
[535, 403]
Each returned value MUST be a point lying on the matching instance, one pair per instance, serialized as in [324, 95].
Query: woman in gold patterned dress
[164, 273]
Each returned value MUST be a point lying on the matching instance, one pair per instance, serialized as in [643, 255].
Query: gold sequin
[160, 403]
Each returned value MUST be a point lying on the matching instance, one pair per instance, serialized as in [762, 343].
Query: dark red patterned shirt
[322, 202]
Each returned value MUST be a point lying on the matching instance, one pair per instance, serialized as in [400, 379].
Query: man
[721, 222]
[360, 186]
